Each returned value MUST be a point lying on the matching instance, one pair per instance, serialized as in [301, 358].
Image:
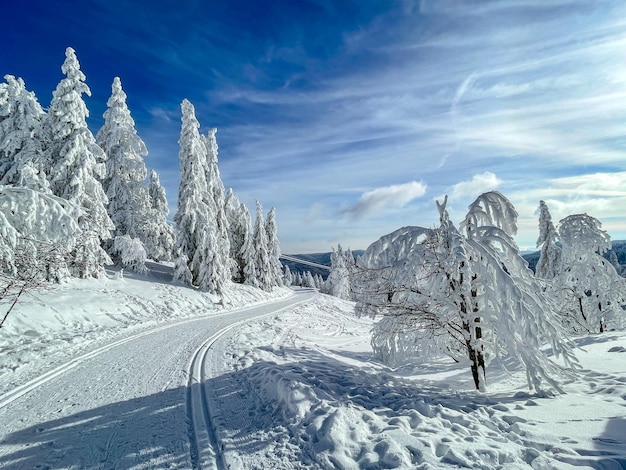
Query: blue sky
[353, 117]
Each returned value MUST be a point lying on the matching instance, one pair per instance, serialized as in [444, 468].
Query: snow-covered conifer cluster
[71, 203]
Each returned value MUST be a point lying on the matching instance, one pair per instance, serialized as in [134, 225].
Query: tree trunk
[476, 356]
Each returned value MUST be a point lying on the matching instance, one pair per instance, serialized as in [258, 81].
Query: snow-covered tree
[273, 249]
[37, 231]
[339, 279]
[240, 234]
[548, 265]
[199, 240]
[466, 292]
[222, 264]
[262, 265]
[308, 280]
[124, 181]
[21, 152]
[131, 253]
[592, 294]
[76, 166]
[287, 276]
[159, 240]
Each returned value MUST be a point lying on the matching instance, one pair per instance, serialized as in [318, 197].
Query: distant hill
[319, 258]
[618, 247]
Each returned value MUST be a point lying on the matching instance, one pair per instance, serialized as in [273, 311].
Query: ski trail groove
[205, 447]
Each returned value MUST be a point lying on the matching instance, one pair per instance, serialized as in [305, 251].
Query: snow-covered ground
[310, 392]
[296, 389]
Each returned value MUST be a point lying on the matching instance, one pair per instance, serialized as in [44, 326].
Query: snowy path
[124, 405]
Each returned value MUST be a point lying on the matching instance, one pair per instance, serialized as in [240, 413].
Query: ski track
[130, 403]
[202, 402]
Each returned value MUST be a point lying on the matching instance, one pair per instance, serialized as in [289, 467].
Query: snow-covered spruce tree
[159, 240]
[21, 152]
[465, 293]
[197, 261]
[319, 282]
[287, 276]
[262, 265]
[548, 265]
[273, 249]
[240, 234]
[591, 292]
[76, 163]
[222, 264]
[308, 280]
[124, 180]
[338, 281]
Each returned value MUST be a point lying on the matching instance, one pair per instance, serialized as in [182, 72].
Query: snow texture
[300, 388]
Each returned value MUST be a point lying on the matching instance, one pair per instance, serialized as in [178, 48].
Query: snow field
[307, 393]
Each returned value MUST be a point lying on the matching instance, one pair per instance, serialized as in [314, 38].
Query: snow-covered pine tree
[222, 264]
[76, 163]
[262, 266]
[192, 215]
[239, 234]
[308, 280]
[198, 259]
[159, 243]
[287, 276]
[548, 265]
[246, 254]
[592, 293]
[124, 180]
[273, 249]
[338, 281]
[21, 152]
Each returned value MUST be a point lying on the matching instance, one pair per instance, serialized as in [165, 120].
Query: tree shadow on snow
[258, 413]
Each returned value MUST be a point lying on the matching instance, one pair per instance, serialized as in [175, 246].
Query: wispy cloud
[389, 197]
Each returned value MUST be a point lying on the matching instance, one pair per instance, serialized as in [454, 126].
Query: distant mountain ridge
[618, 247]
[319, 258]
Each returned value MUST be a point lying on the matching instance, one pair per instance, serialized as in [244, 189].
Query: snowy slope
[296, 389]
[49, 327]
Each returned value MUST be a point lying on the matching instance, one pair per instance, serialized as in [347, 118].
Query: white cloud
[479, 184]
[388, 197]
